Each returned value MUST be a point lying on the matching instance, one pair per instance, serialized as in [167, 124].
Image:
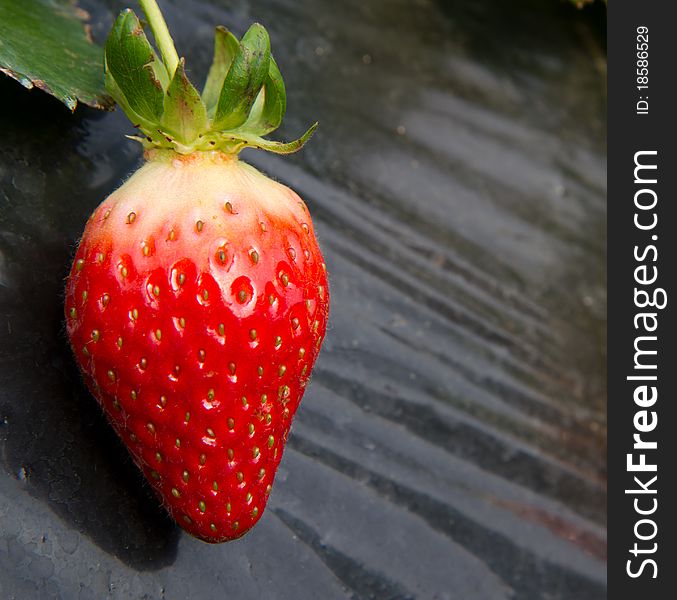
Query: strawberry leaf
[270, 106]
[225, 49]
[43, 44]
[184, 115]
[244, 79]
[242, 140]
[134, 75]
[120, 98]
[244, 97]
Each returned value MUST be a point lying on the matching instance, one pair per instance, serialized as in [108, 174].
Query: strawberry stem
[163, 38]
[243, 100]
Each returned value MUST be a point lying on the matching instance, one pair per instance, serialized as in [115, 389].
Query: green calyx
[243, 99]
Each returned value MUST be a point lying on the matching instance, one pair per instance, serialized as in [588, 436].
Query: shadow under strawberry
[53, 436]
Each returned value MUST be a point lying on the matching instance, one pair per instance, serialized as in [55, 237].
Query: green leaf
[225, 48]
[255, 141]
[185, 116]
[133, 71]
[43, 44]
[134, 117]
[245, 77]
[270, 105]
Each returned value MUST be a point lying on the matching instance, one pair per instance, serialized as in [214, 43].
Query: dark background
[452, 441]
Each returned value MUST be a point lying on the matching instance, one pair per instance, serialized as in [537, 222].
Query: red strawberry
[198, 300]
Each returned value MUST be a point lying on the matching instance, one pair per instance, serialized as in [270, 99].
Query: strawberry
[198, 300]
